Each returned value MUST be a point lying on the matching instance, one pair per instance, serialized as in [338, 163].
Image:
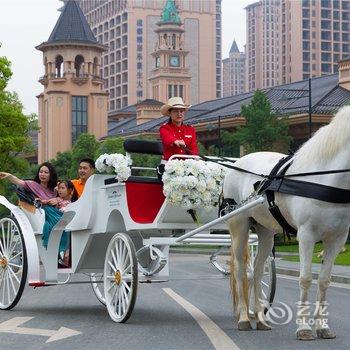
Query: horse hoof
[244, 326]
[262, 326]
[325, 333]
[305, 334]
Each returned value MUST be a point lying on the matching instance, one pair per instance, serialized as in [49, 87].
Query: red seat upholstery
[144, 199]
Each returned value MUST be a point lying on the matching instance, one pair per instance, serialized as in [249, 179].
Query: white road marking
[333, 284]
[219, 339]
[12, 326]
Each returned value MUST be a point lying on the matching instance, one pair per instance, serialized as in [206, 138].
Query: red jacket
[170, 132]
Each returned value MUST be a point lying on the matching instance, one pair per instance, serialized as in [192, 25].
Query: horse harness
[277, 181]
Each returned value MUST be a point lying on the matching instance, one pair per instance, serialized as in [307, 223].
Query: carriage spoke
[114, 260]
[15, 265]
[111, 287]
[265, 284]
[119, 303]
[12, 285]
[14, 246]
[9, 234]
[14, 275]
[127, 277]
[3, 283]
[2, 248]
[112, 266]
[117, 254]
[126, 286]
[15, 256]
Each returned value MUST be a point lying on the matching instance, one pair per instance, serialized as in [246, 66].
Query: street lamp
[310, 110]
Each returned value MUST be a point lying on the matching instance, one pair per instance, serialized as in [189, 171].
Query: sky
[25, 24]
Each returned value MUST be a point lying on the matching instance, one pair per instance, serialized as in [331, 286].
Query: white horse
[314, 220]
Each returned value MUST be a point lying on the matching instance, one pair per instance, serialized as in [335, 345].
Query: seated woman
[177, 137]
[43, 185]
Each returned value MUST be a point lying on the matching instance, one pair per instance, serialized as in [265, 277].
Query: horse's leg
[331, 248]
[264, 250]
[239, 227]
[306, 247]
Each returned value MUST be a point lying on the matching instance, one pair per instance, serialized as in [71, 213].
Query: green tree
[63, 163]
[85, 147]
[14, 128]
[111, 145]
[263, 131]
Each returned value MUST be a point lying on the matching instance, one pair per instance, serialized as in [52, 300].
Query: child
[54, 209]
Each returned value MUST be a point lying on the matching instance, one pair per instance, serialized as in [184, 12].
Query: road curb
[295, 273]
[279, 270]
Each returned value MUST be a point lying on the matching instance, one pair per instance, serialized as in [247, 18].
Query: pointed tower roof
[71, 27]
[234, 47]
[170, 13]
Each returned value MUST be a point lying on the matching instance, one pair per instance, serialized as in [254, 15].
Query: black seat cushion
[135, 179]
[143, 146]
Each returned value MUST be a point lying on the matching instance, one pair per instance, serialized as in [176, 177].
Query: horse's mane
[326, 142]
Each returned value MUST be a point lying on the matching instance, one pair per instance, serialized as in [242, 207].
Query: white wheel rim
[11, 261]
[118, 278]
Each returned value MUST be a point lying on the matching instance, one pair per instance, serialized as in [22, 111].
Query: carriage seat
[144, 196]
[143, 147]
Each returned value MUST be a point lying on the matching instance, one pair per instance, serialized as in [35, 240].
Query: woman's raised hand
[4, 175]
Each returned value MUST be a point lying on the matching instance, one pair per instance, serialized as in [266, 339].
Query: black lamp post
[310, 110]
[219, 134]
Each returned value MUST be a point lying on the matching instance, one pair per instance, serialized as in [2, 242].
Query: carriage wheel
[120, 277]
[13, 263]
[97, 287]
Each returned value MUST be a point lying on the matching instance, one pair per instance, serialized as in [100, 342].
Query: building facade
[262, 47]
[73, 101]
[290, 40]
[315, 37]
[233, 72]
[129, 28]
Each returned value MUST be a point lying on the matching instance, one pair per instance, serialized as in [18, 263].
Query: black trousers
[160, 171]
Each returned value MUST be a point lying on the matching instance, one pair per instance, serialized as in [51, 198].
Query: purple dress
[39, 190]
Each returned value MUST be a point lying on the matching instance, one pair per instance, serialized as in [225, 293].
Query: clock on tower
[174, 61]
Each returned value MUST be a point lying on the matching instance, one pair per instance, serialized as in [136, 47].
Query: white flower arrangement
[114, 163]
[193, 183]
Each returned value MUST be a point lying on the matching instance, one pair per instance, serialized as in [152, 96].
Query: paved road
[160, 321]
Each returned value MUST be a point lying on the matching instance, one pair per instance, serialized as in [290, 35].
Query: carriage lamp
[118, 277]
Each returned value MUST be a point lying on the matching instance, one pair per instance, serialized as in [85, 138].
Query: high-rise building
[233, 72]
[129, 28]
[315, 37]
[73, 101]
[262, 47]
[289, 40]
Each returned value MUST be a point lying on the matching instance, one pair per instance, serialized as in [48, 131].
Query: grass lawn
[341, 259]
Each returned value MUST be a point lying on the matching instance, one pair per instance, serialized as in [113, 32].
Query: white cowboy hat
[174, 102]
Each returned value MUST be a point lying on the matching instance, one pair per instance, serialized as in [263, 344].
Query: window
[326, 57]
[326, 68]
[336, 36]
[325, 45]
[79, 116]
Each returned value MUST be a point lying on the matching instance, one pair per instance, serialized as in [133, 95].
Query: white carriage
[120, 234]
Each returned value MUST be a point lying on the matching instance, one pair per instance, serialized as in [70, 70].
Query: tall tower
[233, 72]
[73, 101]
[170, 77]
